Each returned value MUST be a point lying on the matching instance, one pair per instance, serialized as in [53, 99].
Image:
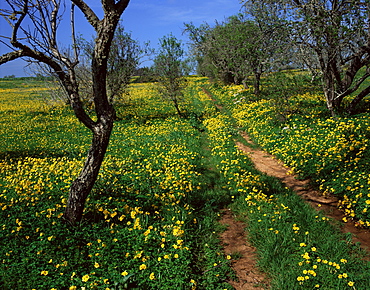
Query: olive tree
[198, 51]
[240, 45]
[34, 25]
[239, 48]
[337, 33]
[125, 56]
[171, 68]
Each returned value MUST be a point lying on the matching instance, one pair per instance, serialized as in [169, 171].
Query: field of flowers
[145, 218]
[288, 233]
[333, 153]
[151, 220]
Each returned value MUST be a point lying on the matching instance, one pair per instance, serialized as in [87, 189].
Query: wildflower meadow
[151, 221]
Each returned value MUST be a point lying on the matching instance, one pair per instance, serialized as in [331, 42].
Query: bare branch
[10, 56]
[89, 14]
[18, 23]
[8, 16]
[75, 50]
[53, 22]
[121, 5]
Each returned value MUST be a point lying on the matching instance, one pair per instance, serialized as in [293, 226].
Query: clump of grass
[293, 249]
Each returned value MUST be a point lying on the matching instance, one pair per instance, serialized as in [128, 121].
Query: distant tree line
[9, 77]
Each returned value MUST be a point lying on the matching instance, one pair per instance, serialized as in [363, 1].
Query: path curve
[269, 165]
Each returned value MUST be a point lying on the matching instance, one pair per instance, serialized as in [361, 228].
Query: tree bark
[257, 81]
[329, 92]
[82, 186]
[176, 105]
[244, 83]
[105, 112]
[352, 106]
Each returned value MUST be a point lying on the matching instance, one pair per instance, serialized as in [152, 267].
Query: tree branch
[75, 50]
[121, 5]
[54, 15]
[355, 87]
[18, 23]
[108, 5]
[10, 56]
[90, 15]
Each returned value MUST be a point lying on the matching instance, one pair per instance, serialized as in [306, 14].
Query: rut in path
[234, 241]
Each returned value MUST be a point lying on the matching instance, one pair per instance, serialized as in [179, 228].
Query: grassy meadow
[151, 219]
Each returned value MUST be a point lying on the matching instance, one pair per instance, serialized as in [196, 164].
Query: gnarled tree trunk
[102, 128]
[83, 184]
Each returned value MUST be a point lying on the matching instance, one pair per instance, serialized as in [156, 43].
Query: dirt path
[234, 238]
[235, 243]
[265, 162]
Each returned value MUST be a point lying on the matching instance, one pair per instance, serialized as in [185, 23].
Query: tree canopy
[336, 33]
[238, 48]
[170, 68]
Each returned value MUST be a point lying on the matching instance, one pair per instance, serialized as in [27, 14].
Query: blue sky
[147, 20]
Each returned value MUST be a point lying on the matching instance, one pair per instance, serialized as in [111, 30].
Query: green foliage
[9, 77]
[239, 50]
[230, 51]
[171, 68]
[328, 37]
[144, 75]
[124, 58]
[236, 46]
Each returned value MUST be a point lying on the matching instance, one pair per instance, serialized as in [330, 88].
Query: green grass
[334, 154]
[151, 219]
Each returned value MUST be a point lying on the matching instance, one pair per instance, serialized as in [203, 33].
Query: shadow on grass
[36, 153]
